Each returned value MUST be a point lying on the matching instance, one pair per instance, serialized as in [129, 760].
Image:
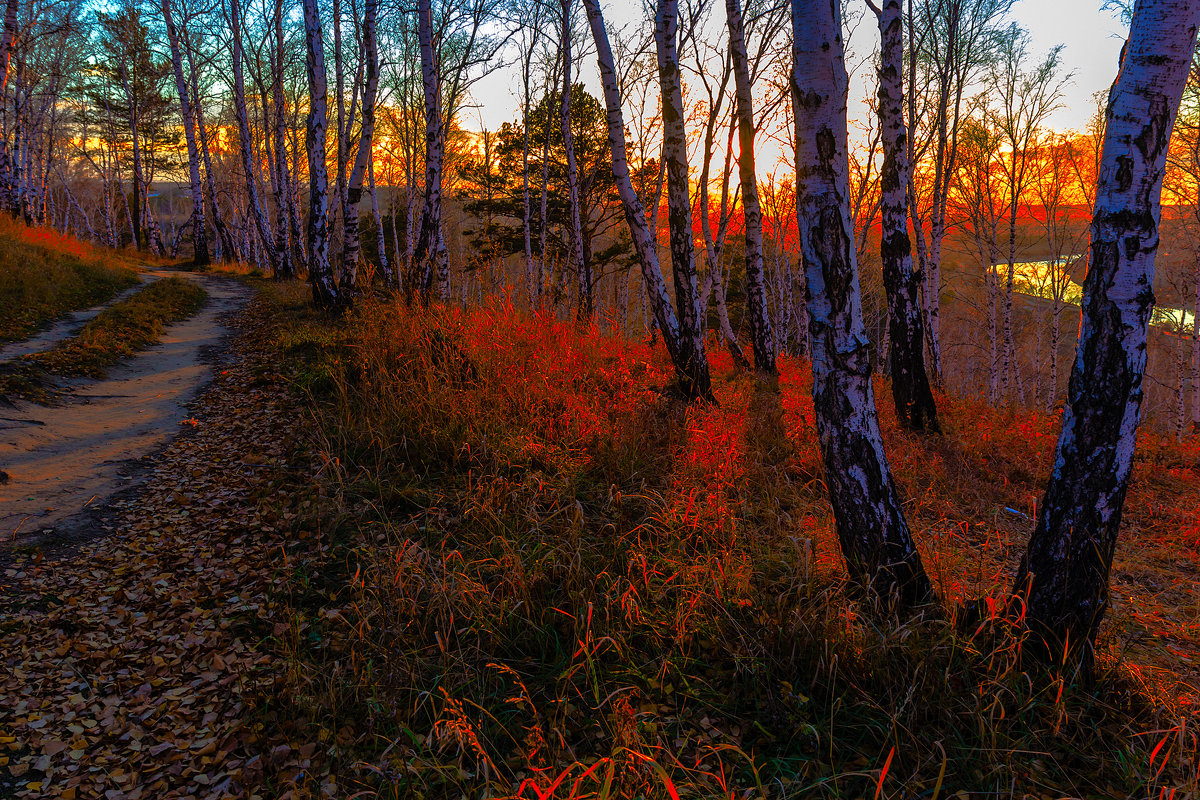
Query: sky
[1091, 37]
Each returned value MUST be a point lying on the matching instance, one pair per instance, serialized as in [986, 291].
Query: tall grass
[542, 577]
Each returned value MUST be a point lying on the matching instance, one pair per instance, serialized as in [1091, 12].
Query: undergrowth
[44, 275]
[549, 579]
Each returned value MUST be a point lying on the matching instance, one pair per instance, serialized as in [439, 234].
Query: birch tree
[199, 228]
[1024, 99]
[582, 266]
[915, 407]
[455, 49]
[956, 40]
[874, 536]
[715, 84]
[320, 273]
[351, 246]
[254, 207]
[691, 372]
[1063, 579]
[1183, 184]
[431, 247]
[761, 337]
[679, 206]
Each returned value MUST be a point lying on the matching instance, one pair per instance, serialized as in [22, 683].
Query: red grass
[549, 491]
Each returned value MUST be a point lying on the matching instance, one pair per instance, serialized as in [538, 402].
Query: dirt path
[70, 325]
[148, 664]
[64, 461]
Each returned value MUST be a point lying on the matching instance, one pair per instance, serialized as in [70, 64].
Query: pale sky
[1091, 37]
[1092, 40]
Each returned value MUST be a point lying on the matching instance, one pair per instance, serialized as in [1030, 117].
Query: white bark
[320, 273]
[761, 337]
[352, 248]
[199, 231]
[254, 209]
[635, 213]
[578, 256]
[1065, 572]
[679, 208]
[874, 536]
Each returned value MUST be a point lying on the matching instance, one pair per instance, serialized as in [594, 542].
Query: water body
[1039, 279]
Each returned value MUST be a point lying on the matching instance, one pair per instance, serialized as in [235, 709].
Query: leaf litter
[140, 664]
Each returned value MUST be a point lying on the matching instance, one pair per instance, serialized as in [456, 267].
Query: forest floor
[474, 554]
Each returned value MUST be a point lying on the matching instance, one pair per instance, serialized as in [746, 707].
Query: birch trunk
[526, 206]
[716, 254]
[915, 407]
[320, 274]
[385, 266]
[583, 270]
[679, 206]
[429, 239]
[1063, 577]
[714, 281]
[223, 242]
[635, 213]
[1181, 380]
[134, 138]
[1196, 356]
[1055, 337]
[199, 229]
[761, 337]
[283, 181]
[339, 96]
[254, 208]
[7, 189]
[352, 248]
[874, 536]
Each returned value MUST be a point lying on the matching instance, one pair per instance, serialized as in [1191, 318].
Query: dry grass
[541, 578]
[44, 275]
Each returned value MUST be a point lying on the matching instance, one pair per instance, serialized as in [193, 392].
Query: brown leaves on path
[140, 664]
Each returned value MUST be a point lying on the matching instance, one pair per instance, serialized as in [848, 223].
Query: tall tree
[873, 533]
[761, 337]
[1025, 98]
[351, 246]
[583, 271]
[199, 229]
[320, 273]
[1064, 574]
[431, 247]
[690, 372]
[915, 407]
[679, 206]
[951, 41]
[11, 9]
[245, 141]
[1183, 184]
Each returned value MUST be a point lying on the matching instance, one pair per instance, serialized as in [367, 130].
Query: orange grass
[551, 580]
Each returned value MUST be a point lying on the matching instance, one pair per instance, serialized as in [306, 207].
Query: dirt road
[64, 462]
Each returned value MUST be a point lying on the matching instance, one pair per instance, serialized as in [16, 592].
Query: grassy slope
[44, 275]
[537, 568]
